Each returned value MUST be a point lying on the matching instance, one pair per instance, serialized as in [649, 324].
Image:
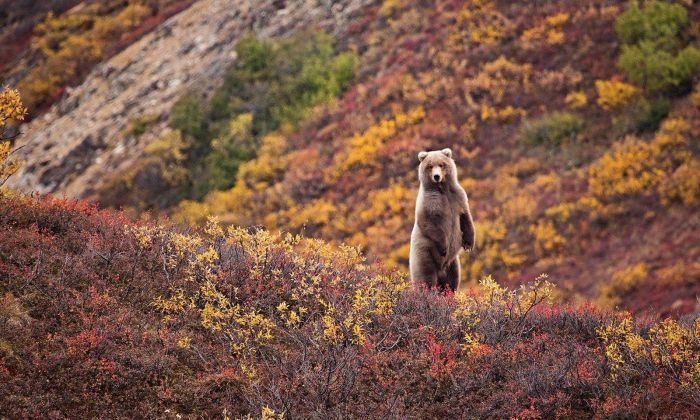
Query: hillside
[575, 130]
[548, 132]
[49, 46]
[86, 135]
[205, 208]
[102, 317]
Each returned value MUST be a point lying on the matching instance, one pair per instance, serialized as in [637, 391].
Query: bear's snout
[437, 174]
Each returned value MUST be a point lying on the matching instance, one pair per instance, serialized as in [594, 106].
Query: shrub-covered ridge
[101, 316]
[578, 162]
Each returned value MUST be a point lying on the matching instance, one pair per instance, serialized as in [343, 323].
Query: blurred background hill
[574, 125]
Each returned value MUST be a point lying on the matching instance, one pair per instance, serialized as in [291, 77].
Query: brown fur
[443, 225]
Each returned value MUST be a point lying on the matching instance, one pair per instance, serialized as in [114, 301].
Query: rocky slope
[84, 136]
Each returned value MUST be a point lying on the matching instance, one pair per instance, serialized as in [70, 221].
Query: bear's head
[436, 168]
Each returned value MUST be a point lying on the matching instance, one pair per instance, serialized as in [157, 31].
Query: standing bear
[443, 223]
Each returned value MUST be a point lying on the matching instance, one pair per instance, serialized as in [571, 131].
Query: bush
[655, 171]
[139, 125]
[273, 82]
[552, 129]
[70, 44]
[645, 115]
[11, 110]
[100, 315]
[621, 283]
[277, 81]
[645, 65]
[228, 152]
[657, 21]
[613, 94]
[188, 116]
[652, 52]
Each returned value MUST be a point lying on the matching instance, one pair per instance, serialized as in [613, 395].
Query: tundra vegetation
[276, 287]
[103, 315]
[564, 146]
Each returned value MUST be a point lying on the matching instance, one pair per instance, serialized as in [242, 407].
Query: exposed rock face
[84, 137]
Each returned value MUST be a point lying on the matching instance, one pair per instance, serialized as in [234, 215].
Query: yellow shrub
[503, 114]
[576, 99]
[71, 43]
[493, 297]
[621, 283]
[558, 19]
[319, 216]
[678, 274]
[390, 7]
[555, 37]
[683, 185]
[532, 33]
[695, 97]
[269, 414]
[169, 152]
[613, 94]
[665, 167]
[11, 109]
[549, 31]
[493, 255]
[479, 23]
[547, 240]
[394, 200]
[668, 344]
[616, 339]
[519, 207]
[497, 78]
[251, 198]
[362, 148]
[561, 212]
[627, 170]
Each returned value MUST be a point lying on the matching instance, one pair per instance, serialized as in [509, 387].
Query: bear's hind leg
[452, 275]
[425, 272]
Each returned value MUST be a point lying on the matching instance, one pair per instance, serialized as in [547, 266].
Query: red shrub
[100, 317]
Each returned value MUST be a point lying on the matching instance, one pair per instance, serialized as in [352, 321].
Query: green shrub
[653, 55]
[277, 81]
[552, 129]
[229, 151]
[139, 125]
[644, 115]
[273, 82]
[657, 21]
[187, 116]
[647, 65]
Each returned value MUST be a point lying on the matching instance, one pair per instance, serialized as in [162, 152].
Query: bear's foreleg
[436, 234]
[466, 225]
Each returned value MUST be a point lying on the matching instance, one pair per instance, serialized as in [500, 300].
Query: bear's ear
[447, 152]
[422, 156]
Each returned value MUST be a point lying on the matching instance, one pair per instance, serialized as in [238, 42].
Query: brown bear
[443, 224]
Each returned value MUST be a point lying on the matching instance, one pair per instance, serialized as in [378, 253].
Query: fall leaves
[11, 111]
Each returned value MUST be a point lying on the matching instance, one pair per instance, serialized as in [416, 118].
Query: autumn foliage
[567, 162]
[574, 127]
[101, 316]
[69, 45]
[12, 111]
